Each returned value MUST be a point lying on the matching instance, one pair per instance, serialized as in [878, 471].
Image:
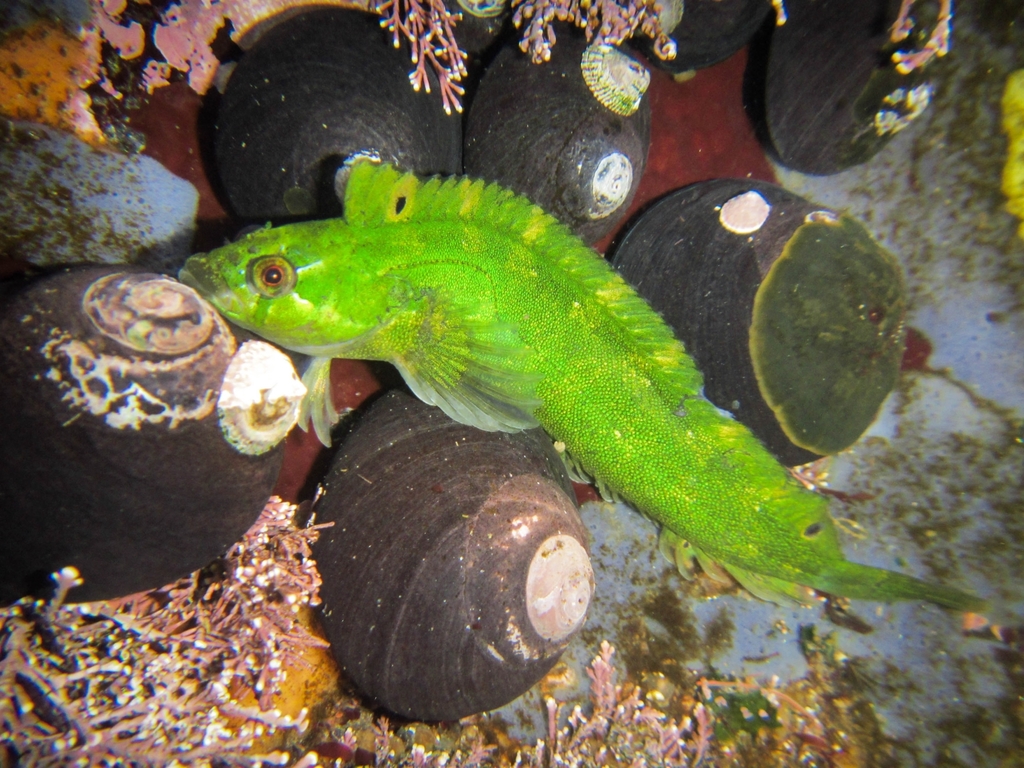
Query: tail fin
[847, 579]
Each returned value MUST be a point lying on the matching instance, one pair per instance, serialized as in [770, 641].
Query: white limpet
[259, 398]
[617, 81]
[744, 214]
[483, 9]
[559, 585]
[610, 185]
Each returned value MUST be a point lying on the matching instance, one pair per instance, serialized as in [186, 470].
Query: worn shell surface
[456, 571]
[793, 313]
[138, 440]
[539, 130]
[314, 91]
[706, 31]
[833, 96]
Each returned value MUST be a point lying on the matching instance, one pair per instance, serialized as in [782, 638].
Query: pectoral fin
[476, 371]
[318, 406]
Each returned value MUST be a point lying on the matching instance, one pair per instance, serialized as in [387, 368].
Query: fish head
[300, 286]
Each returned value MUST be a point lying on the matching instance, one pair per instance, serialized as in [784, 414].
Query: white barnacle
[745, 213]
[821, 217]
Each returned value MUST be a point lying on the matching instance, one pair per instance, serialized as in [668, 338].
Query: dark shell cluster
[457, 569]
[140, 436]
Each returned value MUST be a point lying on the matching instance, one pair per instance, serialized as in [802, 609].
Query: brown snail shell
[138, 439]
[456, 571]
[833, 96]
[792, 312]
[539, 130]
[314, 91]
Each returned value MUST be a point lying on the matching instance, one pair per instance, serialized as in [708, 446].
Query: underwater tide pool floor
[935, 488]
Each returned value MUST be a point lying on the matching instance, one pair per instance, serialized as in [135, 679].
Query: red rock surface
[699, 131]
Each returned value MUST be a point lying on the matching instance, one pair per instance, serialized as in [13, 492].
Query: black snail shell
[793, 313]
[456, 571]
[481, 23]
[833, 96]
[139, 440]
[705, 31]
[312, 92]
[539, 130]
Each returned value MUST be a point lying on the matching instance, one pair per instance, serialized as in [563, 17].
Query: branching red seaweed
[429, 29]
[161, 677]
[605, 22]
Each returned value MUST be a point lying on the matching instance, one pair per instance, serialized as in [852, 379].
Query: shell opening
[670, 14]
[610, 185]
[259, 398]
[744, 214]
[559, 585]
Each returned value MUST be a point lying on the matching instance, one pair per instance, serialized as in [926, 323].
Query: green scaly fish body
[496, 313]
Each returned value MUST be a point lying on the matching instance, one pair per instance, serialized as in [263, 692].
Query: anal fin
[685, 556]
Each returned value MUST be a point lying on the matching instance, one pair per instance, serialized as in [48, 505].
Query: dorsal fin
[378, 194]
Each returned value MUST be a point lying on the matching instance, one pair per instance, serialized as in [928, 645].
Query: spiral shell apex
[315, 90]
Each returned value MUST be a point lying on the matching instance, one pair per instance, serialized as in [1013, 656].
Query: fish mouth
[209, 285]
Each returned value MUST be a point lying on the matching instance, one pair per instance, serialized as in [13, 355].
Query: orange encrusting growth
[42, 71]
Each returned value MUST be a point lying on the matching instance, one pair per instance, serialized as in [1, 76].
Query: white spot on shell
[259, 398]
[827, 217]
[744, 214]
[610, 185]
[514, 637]
[559, 585]
[617, 81]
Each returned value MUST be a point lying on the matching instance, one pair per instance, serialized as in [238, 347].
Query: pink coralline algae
[157, 678]
[185, 32]
[429, 28]
[606, 22]
[183, 37]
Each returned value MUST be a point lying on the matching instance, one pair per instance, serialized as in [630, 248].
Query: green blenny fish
[496, 313]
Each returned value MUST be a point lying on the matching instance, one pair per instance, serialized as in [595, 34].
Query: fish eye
[812, 530]
[271, 276]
